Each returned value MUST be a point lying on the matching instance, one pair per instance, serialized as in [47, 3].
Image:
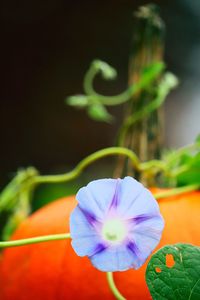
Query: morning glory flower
[117, 224]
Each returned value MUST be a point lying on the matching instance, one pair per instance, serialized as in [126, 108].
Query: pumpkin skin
[52, 270]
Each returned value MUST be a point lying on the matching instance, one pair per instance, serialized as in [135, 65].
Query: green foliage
[192, 172]
[167, 83]
[198, 139]
[184, 164]
[15, 200]
[78, 101]
[105, 69]
[151, 71]
[98, 112]
[17, 188]
[95, 103]
[178, 280]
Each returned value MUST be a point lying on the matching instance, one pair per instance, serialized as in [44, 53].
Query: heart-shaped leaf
[174, 273]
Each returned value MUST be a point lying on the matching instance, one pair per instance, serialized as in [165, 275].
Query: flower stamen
[114, 230]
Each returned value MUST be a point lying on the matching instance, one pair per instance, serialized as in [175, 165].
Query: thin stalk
[34, 240]
[177, 191]
[113, 287]
[86, 162]
[63, 236]
[88, 81]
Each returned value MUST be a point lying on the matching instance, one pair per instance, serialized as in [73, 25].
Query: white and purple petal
[115, 259]
[83, 233]
[97, 196]
[117, 224]
[135, 199]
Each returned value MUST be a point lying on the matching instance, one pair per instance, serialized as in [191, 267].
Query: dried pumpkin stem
[34, 240]
[113, 287]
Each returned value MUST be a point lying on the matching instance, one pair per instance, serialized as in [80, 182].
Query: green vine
[167, 83]
[16, 197]
[30, 177]
[26, 180]
[96, 103]
[63, 236]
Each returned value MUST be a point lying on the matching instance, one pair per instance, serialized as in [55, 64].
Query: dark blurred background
[46, 47]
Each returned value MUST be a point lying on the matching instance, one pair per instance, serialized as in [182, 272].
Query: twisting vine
[96, 103]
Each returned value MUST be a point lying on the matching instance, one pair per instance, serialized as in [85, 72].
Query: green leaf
[77, 100]
[183, 164]
[99, 113]
[10, 194]
[152, 71]
[198, 139]
[174, 273]
[192, 174]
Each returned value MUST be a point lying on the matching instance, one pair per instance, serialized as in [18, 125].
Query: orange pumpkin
[52, 271]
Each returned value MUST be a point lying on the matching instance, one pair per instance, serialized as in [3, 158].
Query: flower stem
[86, 162]
[177, 191]
[34, 240]
[113, 287]
[63, 236]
